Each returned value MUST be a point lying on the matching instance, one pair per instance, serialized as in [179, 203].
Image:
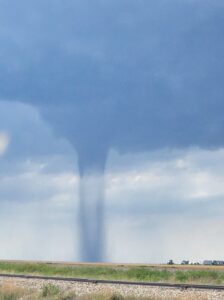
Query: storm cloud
[133, 74]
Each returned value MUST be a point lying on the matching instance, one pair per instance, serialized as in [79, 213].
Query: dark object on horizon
[170, 262]
[213, 262]
[218, 263]
[185, 262]
[207, 262]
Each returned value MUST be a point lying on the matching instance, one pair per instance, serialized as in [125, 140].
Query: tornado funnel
[91, 217]
[91, 208]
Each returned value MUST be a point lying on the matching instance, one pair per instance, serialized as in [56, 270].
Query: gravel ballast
[82, 289]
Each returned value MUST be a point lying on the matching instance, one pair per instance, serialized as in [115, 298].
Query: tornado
[91, 212]
[91, 217]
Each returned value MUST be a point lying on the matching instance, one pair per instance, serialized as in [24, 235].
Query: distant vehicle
[218, 262]
[213, 262]
[207, 262]
[170, 262]
[185, 262]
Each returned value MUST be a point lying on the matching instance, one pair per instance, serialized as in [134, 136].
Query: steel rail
[102, 281]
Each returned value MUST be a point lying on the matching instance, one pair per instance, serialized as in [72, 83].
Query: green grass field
[158, 273]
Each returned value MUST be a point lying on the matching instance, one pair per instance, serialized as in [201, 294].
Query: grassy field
[158, 273]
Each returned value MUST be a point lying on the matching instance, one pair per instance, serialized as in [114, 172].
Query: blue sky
[134, 88]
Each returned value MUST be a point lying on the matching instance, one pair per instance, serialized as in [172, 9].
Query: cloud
[189, 181]
[150, 72]
[29, 134]
[161, 201]
[4, 142]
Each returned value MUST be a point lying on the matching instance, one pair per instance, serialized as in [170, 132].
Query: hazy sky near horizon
[136, 86]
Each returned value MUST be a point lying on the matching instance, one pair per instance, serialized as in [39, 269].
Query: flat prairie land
[197, 274]
[119, 265]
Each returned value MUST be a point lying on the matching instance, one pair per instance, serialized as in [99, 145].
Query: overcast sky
[134, 88]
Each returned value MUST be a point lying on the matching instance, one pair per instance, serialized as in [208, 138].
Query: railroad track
[96, 281]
